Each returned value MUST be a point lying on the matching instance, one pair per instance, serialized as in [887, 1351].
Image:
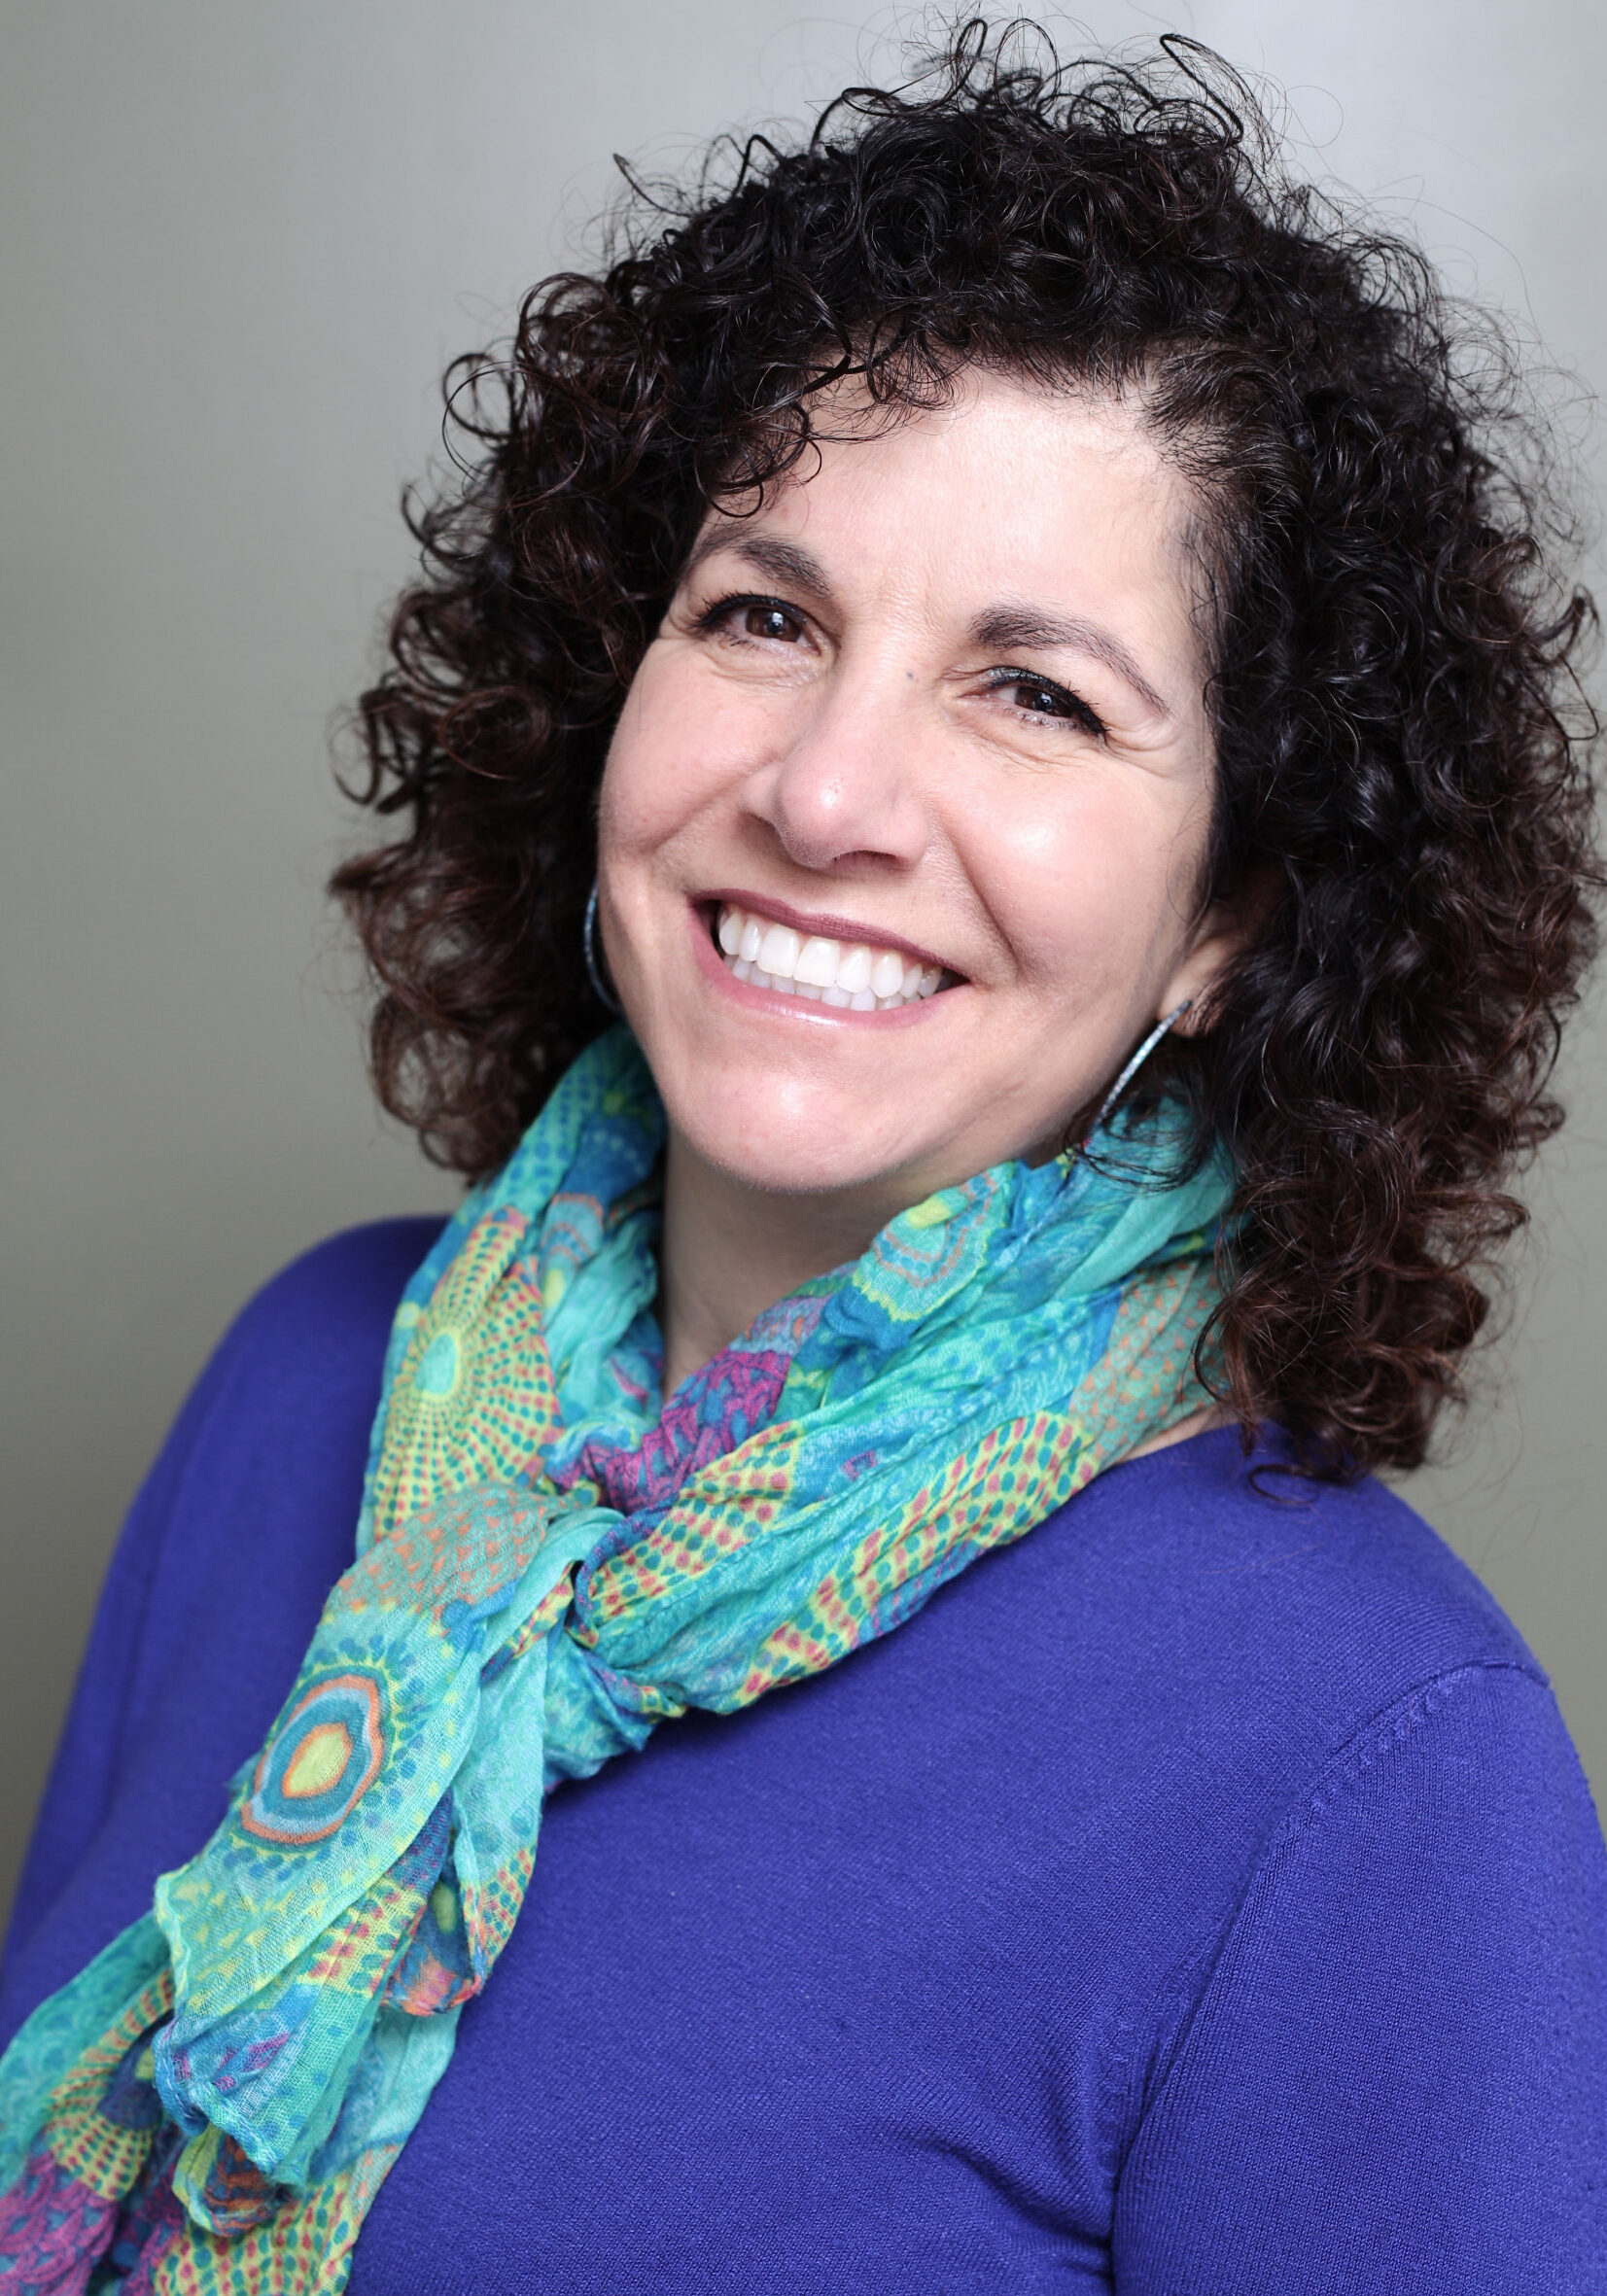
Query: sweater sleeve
[1395, 2078]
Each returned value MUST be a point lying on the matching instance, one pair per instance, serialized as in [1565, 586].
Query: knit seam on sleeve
[1182, 1994]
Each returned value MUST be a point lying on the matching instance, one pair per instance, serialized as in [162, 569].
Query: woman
[1001, 642]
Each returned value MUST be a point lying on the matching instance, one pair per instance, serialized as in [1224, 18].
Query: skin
[825, 730]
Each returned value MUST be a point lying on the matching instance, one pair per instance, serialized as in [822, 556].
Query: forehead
[1009, 487]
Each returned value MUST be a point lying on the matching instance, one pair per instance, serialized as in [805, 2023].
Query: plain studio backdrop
[241, 239]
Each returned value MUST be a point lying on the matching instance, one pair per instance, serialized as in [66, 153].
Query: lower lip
[712, 965]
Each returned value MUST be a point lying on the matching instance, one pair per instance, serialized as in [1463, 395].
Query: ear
[1226, 929]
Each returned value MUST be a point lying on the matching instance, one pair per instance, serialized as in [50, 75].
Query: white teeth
[779, 953]
[817, 962]
[859, 977]
[854, 973]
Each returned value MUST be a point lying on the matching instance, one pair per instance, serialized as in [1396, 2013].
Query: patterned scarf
[551, 1561]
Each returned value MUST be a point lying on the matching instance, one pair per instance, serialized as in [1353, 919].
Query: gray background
[240, 241]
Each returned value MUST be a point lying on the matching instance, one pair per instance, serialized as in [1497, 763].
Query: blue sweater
[1199, 1898]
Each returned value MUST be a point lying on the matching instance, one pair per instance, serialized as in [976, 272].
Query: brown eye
[1041, 697]
[1045, 701]
[771, 621]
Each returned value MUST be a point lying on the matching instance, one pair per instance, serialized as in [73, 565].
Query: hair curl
[1403, 750]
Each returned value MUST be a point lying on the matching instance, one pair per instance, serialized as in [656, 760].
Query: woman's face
[926, 724]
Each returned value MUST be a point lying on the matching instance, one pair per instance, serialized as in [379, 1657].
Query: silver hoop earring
[594, 972]
[1138, 1060]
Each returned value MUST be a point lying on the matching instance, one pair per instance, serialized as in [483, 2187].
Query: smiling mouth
[852, 976]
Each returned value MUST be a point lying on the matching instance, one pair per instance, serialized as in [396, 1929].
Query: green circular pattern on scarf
[439, 1368]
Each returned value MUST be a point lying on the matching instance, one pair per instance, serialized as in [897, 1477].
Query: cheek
[1082, 889]
[641, 774]
[673, 754]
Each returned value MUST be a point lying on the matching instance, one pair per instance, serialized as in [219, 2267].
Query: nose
[845, 792]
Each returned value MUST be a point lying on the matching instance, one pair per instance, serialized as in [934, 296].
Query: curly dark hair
[1402, 746]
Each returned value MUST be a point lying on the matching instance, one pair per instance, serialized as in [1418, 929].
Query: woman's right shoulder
[258, 1483]
[244, 1522]
[267, 1451]
[337, 1298]
[283, 1409]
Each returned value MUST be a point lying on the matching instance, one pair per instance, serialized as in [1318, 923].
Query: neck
[730, 1250]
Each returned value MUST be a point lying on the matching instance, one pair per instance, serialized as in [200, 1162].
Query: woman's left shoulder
[1394, 1993]
[1277, 1593]
[1221, 1637]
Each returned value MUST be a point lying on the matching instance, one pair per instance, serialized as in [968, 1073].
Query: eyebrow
[782, 561]
[1001, 629]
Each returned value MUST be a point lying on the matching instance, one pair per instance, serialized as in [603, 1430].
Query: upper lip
[825, 927]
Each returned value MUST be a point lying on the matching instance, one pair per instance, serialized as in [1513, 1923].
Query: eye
[1041, 696]
[766, 620]
[771, 621]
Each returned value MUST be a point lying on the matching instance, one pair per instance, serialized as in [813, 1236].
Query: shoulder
[1181, 1658]
[288, 1398]
[310, 1347]
[1221, 1648]
[333, 1300]
[262, 1469]
[1317, 1602]
[248, 1513]
[1406, 2006]
[1351, 1789]
[242, 1526]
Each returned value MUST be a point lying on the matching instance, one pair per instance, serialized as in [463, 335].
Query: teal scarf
[551, 1561]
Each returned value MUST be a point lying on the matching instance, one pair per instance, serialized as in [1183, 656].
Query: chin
[829, 1153]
